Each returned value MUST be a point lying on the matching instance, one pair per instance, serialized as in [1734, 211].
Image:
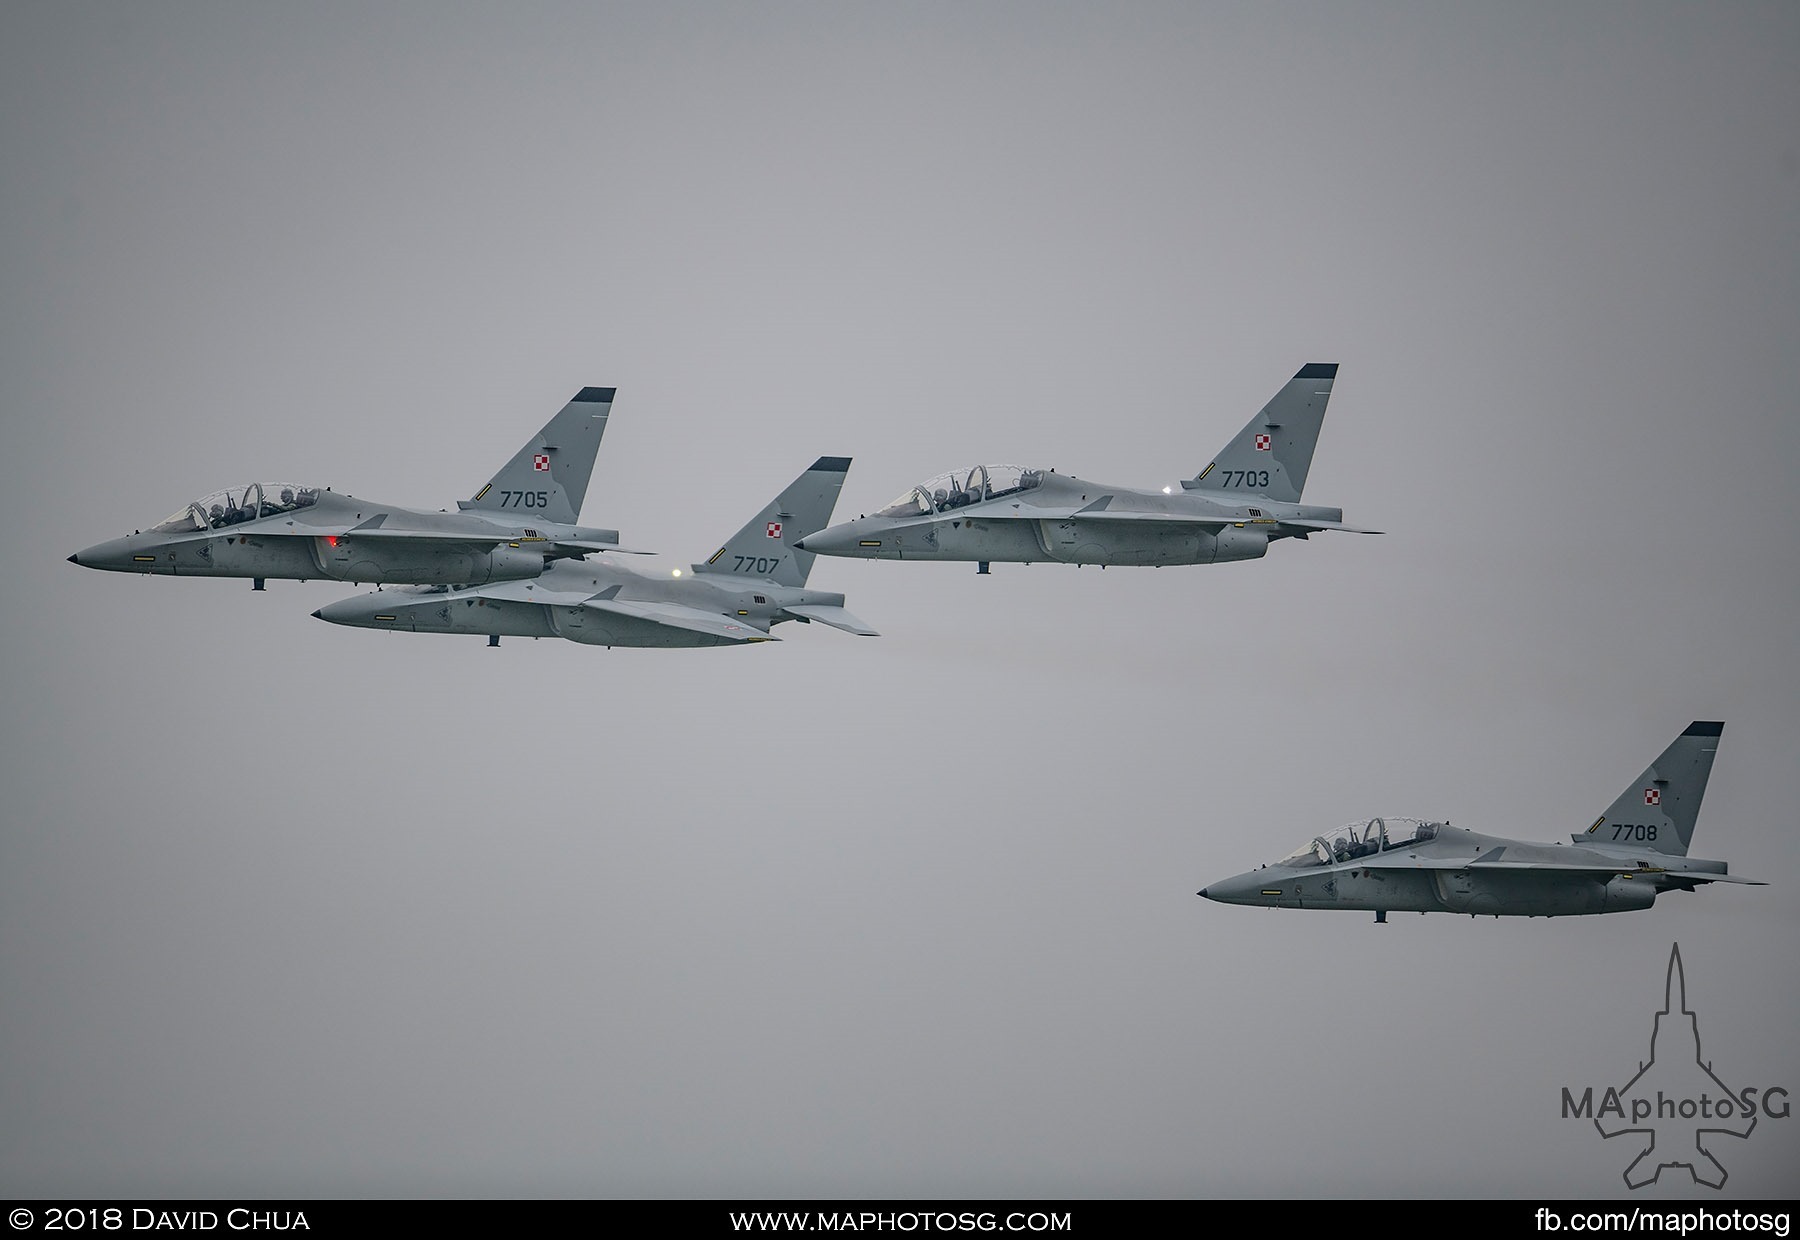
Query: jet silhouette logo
[1676, 1107]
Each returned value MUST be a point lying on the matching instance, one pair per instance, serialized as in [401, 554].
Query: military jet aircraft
[517, 524]
[1633, 851]
[1248, 497]
[756, 580]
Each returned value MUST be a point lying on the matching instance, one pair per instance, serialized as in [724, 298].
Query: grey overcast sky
[292, 909]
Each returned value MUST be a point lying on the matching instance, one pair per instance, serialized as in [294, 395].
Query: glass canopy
[237, 505]
[1359, 839]
[962, 487]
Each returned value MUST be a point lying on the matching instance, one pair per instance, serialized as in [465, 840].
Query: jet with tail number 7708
[521, 521]
[753, 582]
[1248, 497]
[1633, 852]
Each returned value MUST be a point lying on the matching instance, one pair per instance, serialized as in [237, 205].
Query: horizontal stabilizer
[836, 617]
[676, 616]
[584, 544]
[1328, 525]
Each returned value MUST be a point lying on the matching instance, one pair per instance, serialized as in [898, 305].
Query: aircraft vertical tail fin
[765, 547]
[1270, 457]
[1657, 812]
[548, 477]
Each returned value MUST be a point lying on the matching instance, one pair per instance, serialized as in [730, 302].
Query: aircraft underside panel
[1538, 894]
[594, 627]
[473, 616]
[237, 556]
[1521, 893]
[1147, 543]
[391, 562]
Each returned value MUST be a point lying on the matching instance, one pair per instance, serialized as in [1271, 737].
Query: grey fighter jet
[756, 580]
[1636, 849]
[518, 523]
[1233, 509]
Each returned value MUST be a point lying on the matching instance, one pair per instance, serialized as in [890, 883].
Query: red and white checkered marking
[1652, 796]
[774, 529]
[541, 463]
[1262, 443]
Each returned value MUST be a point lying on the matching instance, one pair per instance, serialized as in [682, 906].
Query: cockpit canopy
[1359, 839]
[961, 487]
[237, 505]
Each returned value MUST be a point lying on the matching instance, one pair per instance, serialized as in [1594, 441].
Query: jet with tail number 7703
[523, 520]
[1248, 497]
[1633, 852]
[753, 582]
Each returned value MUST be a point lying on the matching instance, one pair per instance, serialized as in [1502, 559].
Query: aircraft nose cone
[129, 554]
[352, 610]
[1239, 889]
[1201, 892]
[319, 614]
[833, 541]
[799, 545]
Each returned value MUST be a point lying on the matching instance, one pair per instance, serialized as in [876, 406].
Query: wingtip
[1318, 370]
[594, 396]
[831, 465]
[1704, 727]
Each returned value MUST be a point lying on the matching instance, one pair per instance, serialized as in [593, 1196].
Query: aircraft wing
[1590, 869]
[677, 616]
[1394, 861]
[1183, 519]
[836, 617]
[532, 591]
[372, 533]
[1211, 522]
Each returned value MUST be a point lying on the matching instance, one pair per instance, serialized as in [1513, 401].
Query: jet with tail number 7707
[1248, 497]
[1633, 852]
[753, 582]
[523, 520]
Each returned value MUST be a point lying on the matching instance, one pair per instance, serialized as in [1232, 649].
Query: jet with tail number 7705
[521, 521]
[753, 582]
[1633, 852]
[1248, 497]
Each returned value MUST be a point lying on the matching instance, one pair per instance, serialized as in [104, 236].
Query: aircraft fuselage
[553, 606]
[1067, 520]
[377, 544]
